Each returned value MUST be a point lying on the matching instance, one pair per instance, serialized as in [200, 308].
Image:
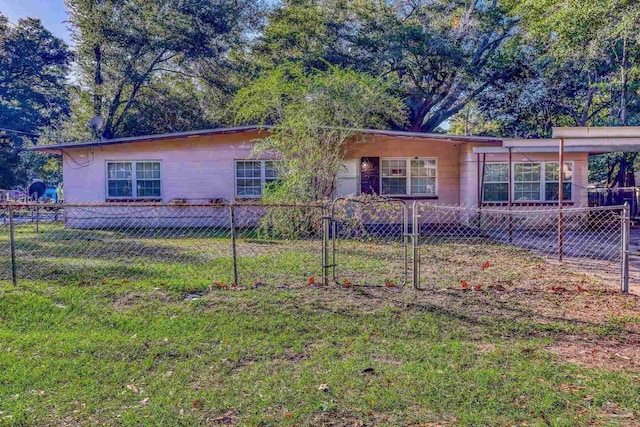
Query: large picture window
[134, 180]
[252, 176]
[532, 182]
[416, 177]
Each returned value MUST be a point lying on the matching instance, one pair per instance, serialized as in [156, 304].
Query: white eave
[576, 140]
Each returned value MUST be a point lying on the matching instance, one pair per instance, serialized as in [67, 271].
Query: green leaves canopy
[314, 114]
[33, 96]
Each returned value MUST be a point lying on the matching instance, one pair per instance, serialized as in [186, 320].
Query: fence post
[12, 244]
[234, 254]
[626, 225]
[326, 226]
[415, 278]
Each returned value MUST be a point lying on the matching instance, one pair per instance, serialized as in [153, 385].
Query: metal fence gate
[369, 242]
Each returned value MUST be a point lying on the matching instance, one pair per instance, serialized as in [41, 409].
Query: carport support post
[510, 198]
[326, 227]
[626, 225]
[560, 198]
[415, 246]
[234, 254]
[12, 244]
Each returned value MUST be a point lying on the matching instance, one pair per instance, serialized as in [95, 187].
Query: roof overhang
[593, 133]
[596, 144]
[59, 148]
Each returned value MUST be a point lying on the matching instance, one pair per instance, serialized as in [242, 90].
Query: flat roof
[604, 132]
[255, 128]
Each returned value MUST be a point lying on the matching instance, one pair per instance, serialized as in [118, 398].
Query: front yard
[89, 341]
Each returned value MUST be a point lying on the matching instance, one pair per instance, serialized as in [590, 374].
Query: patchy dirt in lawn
[604, 354]
[132, 299]
[589, 325]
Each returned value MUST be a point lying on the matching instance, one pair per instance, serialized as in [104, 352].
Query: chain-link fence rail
[186, 245]
[471, 236]
[374, 242]
[369, 242]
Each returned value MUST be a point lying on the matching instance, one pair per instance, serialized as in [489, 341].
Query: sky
[52, 13]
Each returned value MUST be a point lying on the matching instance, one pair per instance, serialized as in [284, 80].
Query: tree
[314, 114]
[33, 95]
[129, 50]
[443, 54]
[592, 53]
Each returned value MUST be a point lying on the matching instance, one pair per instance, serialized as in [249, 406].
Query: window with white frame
[526, 181]
[551, 181]
[532, 182]
[134, 180]
[496, 182]
[253, 176]
[416, 177]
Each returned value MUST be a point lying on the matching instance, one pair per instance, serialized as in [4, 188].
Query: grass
[92, 341]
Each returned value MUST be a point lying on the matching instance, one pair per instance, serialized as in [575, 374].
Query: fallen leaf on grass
[144, 402]
[485, 265]
[218, 285]
[289, 415]
[346, 283]
[478, 287]
[558, 288]
[226, 419]
[389, 284]
[323, 387]
[312, 280]
[133, 388]
[464, 284]
[197, 404]
[622, 357]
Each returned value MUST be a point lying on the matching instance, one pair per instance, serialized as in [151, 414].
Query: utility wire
[19, 132]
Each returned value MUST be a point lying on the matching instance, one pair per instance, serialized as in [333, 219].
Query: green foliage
[130, 53]
[33, 95]
[314, 114]
[442, 54]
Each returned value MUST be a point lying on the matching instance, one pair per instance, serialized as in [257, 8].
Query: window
[133, 180]
[409, 177]
[252, 176]
[347, 179]
[526, 181]
[496, 182]
[532, 182]
[551, 181]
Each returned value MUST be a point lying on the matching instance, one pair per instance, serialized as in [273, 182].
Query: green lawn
[88, 339]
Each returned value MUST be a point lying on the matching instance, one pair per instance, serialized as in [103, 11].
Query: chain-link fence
[349, 242]
[188, 245]
[568, 234]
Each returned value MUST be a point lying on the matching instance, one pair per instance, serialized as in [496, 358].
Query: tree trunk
[97, 97]
[623, 79]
